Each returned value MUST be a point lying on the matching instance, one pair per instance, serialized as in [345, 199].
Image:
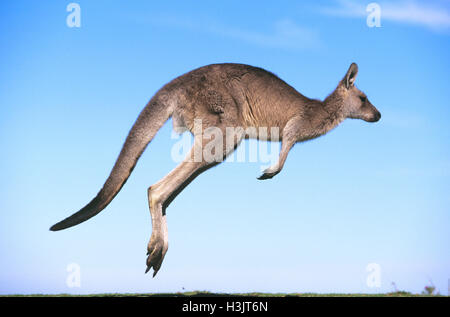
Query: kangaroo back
[150, 120]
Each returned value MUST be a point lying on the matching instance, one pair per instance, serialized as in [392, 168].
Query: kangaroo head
[355, 103]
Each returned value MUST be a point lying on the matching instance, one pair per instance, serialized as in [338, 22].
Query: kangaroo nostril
[376, 117]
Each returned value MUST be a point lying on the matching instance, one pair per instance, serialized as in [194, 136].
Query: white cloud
[434, 15]
[284, 34]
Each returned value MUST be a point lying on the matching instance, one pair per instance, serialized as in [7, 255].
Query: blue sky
[364, 193]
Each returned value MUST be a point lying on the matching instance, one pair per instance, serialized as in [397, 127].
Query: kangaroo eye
[363, 98]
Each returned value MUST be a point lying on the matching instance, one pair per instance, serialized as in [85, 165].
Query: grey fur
[222, 95]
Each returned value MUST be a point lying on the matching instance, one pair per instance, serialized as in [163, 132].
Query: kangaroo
[222, 95]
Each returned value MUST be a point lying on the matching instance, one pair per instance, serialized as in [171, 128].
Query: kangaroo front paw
[268, 174]
[156, 251]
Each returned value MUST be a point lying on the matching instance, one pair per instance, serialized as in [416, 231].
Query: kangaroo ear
[350, 77]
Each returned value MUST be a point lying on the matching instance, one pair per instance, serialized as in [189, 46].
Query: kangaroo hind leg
[160, 195]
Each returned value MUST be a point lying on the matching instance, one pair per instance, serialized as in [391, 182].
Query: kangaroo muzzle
[376, 117]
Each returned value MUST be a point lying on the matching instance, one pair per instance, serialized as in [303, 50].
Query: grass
[209, 294]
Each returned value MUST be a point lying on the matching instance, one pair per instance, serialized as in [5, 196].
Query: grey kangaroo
[222, 95]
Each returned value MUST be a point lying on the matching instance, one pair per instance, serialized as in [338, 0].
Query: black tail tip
[56, 227]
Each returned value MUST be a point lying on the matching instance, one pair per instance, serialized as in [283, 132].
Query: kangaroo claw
[156, 251]
[267, 174]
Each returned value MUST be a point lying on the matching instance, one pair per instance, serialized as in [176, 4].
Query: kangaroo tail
[151, 119]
